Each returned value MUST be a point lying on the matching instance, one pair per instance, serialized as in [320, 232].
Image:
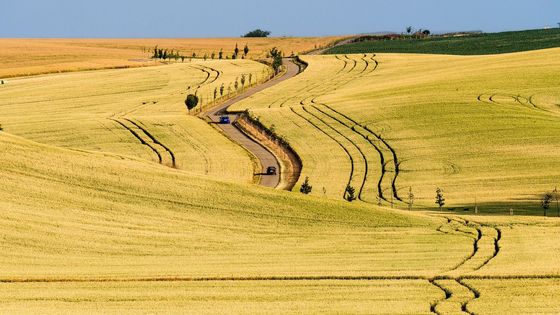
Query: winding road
[265, 157]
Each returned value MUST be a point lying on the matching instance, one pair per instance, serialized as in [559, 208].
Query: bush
[305, 187]
[350, 193]
[257, 33]
[191, 101]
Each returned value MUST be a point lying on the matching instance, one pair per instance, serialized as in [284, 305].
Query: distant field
[21, 57]
[482, 44]
[482, 128]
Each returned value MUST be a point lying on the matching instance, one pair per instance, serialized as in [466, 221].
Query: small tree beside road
[440, 201]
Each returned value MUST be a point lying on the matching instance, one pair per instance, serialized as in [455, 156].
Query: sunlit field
[19, 57]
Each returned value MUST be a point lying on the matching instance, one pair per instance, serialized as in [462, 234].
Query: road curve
[265, 157]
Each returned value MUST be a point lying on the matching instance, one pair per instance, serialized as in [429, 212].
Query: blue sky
[217, 18]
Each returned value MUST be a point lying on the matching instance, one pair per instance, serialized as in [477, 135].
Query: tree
[236, 84]
[440, 201]
[1, 128]
[246, 50]
[350, 193]
[221, 54]
[305, 187]
[194, 55]
[155, 56]
[191, 101]
[243, 80]
[410, 198]
[213, 55]
[257, 33]
[236, 51]
[276, 59]
[409, 30]
[250, 78]
[426, 32]
[164, 56]
[215, 92]
[222, 87]
[545, 202]
[182, 58]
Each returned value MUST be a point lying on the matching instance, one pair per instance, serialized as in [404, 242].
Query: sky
[217, 18]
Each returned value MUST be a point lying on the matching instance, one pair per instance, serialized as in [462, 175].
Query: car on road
[271, 170]
[224, 119]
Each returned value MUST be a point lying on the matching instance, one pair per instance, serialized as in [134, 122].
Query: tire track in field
[472, 262]
[170, 153]
[354, 160]
[137, 136]
[510, 99]
[332, 84]
[381, 147]
[331, 137]
[164, 155]
[306, 88]
[351, 127]
[383, 163]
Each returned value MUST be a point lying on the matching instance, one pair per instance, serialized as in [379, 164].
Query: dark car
[224, 120]
[271, 170]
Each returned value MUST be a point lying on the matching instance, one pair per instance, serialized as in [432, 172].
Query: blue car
[224, 120]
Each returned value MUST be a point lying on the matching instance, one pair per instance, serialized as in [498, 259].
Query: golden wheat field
[117, 199]
[482, 128]
[20, 57]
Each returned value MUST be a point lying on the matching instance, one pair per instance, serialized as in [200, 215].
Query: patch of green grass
[478, 44]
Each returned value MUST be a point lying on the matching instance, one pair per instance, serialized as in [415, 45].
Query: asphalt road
[259, 151]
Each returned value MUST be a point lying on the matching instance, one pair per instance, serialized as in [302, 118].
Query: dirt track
[265, 157]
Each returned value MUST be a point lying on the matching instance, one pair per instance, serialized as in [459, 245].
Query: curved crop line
[475, 292]
[137, 136]
[156, 141]
[496, 248]
[311, 87]
[366, 62]
[349, 140]
[351, 60]
[203, 82]
[474, 251]
[448, 294]
[345, 64]
[381, 156]
[393, 152]
[343, 147]
[213, 70]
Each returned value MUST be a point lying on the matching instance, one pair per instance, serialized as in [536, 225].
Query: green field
[476, 44]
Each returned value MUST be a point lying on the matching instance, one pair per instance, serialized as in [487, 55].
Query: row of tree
[350, 195]
[168, 54]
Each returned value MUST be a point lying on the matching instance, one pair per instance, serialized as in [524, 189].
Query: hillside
[481, 128]
[477, 44]
[133, 112]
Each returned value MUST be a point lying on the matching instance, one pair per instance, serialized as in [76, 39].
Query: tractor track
[331, 137]
[139, 138]
[378, 150]
[388, 147]
[307, 88]
[156, 141]
[350, 141]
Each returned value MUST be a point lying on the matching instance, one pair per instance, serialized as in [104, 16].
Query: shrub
[305, 187]
[350, 193]
[257, 33]
[191, 101]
